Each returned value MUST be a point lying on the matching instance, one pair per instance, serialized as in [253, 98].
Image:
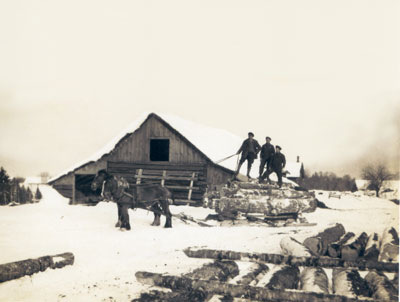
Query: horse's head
[98, 180]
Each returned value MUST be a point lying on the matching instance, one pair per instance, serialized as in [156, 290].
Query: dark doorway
[159, 149]
[83, 191]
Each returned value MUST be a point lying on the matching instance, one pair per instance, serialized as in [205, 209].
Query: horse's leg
[157, 214]
[125, 217]
[118, 224]
[165, 206]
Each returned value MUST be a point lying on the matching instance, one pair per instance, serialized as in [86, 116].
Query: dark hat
[251, 133]
[278, 147]
[268, 138]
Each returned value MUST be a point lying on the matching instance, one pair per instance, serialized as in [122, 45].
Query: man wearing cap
[278, 162]
[249, 149]
[267, 151]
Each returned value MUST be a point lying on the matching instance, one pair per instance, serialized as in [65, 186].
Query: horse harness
[122, 185]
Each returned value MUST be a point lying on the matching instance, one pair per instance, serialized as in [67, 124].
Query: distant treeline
[13, 191]
[328, 181]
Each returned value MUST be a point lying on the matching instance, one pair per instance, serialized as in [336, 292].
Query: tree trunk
[381, 287]
[314, 279]
[14, 270]
[286, 278]
[176, 296]
[217, 270]
[260, 198]
[354, 250]
[318, 244]
[259, 270]
[277, 206]
[389, 250]
[292, 247]
[334, 248]
[349, 283]
[326, 262]
[234, 290]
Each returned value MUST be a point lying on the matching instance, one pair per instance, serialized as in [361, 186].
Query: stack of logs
[354, 250]
[290, 278]
[335, 242]
[253, 198]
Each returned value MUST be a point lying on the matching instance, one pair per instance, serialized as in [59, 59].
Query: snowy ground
[106, 259]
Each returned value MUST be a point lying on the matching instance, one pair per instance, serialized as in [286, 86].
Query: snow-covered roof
[33, 180]
[293, 168]
[214, 143]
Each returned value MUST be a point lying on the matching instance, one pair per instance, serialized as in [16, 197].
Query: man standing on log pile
[267, 151]
[249, 149]
[278, 162]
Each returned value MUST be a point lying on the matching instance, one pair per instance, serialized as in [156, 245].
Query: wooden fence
[186, 182]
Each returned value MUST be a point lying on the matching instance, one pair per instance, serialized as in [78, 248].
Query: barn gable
[134, 153]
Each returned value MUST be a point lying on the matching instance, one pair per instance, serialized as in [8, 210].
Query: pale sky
[322, 78]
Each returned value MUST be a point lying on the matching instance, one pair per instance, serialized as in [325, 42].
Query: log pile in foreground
[279, 259]
[253, 293]
[28, 267]
[290, 279]
[337, 244]
[250, 199]
[214, 271]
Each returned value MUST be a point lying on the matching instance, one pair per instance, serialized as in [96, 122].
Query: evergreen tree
[21, 195]
[328, 181]
[4, 187]
[38, 194]
[29, 195]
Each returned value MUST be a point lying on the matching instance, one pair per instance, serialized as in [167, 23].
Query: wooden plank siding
[136, 148]
[180, 179]
[132, 152]
[64, 190]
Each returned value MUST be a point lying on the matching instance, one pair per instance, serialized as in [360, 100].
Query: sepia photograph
[199, 151]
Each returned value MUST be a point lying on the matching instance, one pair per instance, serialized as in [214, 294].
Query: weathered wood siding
[136, 148]
[217, 176]
[130, 170]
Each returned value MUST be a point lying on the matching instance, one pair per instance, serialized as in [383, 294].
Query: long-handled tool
[221, 160]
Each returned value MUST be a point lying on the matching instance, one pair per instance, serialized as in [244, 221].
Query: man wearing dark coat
[278, 162]
[249, 149]
[267, 151]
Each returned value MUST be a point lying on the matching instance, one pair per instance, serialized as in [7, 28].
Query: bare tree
[376, 175]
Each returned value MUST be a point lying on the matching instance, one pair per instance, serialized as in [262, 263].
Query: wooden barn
[179, 154]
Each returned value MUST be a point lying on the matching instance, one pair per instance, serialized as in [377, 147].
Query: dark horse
[153, 197]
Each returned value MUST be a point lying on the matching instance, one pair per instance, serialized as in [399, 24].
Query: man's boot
[238, 169]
